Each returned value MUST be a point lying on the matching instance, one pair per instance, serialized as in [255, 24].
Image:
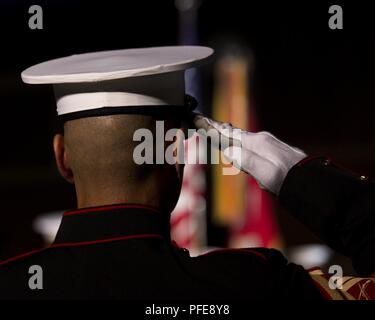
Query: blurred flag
[238, 202]
[188, 220]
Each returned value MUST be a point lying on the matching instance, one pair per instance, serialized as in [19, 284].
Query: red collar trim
[84, 243]
[97, 241]
[77, 244]
[110, 207]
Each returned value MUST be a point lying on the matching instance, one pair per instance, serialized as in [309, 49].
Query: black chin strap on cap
[152, 110]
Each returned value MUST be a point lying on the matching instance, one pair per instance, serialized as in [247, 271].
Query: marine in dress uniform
[124, 250]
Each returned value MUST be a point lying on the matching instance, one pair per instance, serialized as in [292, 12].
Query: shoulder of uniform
[235, 251]
[250, 270]
[261, 254]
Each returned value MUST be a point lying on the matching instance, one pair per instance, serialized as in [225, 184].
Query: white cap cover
[118, 78]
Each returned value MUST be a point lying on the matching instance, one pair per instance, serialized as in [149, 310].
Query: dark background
[313, 87]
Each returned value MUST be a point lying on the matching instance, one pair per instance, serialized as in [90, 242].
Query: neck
[158, 191]
[86, 200]
[101, 195]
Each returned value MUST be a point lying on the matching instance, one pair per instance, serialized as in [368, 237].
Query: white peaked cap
[118, 78]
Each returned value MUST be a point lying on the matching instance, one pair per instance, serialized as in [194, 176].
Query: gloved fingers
[259, 143]
[221, 134]
[261, 154]
[226, 135]
[200, 121]
[225, 128]
[262, 143]
[261, 169]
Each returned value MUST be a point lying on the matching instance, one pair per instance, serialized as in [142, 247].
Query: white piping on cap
[94, 100]
[159, 89]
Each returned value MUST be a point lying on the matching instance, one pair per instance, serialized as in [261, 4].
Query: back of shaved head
[100, 155]
[102, 147]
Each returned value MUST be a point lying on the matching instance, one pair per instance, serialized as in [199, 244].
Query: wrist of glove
[261, 154]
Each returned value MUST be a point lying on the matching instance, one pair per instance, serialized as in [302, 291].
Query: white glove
[261, 155]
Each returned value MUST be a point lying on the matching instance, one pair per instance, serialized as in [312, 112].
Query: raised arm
[335, 204]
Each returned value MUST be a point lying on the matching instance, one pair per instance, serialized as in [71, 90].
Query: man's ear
[61, 158]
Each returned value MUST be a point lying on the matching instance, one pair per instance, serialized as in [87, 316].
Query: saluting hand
[261, 154]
